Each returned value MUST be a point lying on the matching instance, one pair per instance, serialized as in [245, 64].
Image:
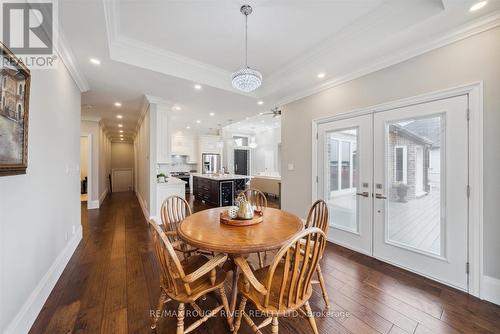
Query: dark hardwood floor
[111, 284]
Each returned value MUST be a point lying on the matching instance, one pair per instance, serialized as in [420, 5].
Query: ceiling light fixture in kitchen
[246, 79]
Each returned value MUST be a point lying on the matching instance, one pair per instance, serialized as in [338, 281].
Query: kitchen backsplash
[176, 167]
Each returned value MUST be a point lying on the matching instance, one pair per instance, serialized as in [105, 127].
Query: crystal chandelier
[246, 79]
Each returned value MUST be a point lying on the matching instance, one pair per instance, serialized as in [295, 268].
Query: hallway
[111, 284]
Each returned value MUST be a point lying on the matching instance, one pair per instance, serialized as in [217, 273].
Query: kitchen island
[218, 189]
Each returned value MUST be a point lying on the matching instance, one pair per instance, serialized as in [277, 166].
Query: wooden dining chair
[257, 198]
[173, 210]
[285, 285]
[318, 217]
[186, 281]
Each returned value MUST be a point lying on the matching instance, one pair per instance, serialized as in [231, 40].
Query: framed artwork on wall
[15, 81]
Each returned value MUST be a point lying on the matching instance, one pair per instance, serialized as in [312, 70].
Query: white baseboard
[25, 318]
[490, 289]
[93, 204]
[103, 196]
[143, 206]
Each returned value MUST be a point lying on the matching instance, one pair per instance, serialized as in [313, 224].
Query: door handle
[380, 196]
[364, 194]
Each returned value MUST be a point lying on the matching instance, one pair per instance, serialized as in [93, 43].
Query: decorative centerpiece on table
[242, 214]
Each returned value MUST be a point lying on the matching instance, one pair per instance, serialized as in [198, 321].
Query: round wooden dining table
[205, 231]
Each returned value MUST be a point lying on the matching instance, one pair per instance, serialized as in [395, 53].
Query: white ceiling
[212, 32]
[162, 48]
[255, 124]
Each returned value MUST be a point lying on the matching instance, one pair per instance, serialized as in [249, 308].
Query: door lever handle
[364, 194]
[380, 196]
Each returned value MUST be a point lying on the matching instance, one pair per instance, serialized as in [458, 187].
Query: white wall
[92, 128]
[263, 158]
[104, 163]
[84, 157]
[265, 155]
[142, 160]
[40, 211]
[470, 60]
[101, 161]
[122, 155]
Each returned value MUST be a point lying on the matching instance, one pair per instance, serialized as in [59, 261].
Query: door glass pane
[340, 179]
[333, 153]
[346, 165]
[413, 153]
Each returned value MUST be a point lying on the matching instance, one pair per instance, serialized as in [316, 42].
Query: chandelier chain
[246, 40]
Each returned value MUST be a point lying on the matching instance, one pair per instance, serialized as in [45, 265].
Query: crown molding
[140, 54]
[63, 50]
[365, 25]
[158, 100]
[90, 119]
[472, 28]
[146, 102]
[68, 58]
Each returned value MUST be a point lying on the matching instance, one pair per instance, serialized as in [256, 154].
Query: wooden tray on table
[257, 219]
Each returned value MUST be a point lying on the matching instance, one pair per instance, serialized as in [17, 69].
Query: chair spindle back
[174, 210]
[298, 259]
[256, 197]
[170, 266]
[318, 216]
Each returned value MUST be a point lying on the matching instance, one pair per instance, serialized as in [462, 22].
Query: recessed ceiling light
[120, 125]
[198, 121]
[260, 102]
[197, 87]
[188, 127]
[121, 139]
[212, 114]
[478, 6]
[321, 75]
[261, 113]
[95, 61]
[118, 104]
[177, 108]
[121, 135]
[119, 116]
[121, 131]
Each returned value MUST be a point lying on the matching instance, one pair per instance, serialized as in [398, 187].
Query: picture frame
[15, 82]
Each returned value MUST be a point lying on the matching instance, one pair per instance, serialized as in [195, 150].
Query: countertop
[221, 177]
[171, 181]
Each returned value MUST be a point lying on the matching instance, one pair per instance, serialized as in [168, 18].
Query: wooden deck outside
[415, 223]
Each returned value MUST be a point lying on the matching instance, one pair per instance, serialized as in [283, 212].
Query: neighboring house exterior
[342, 155]
[12, 86]
[414, 157]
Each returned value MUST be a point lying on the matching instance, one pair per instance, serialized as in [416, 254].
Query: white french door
[422, 224]
[345, 171]
[396, 185]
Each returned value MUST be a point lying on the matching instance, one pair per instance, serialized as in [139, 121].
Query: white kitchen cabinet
[192, 150]
[186, 146]
[163, 145]
[179, 146]
[209, 144]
